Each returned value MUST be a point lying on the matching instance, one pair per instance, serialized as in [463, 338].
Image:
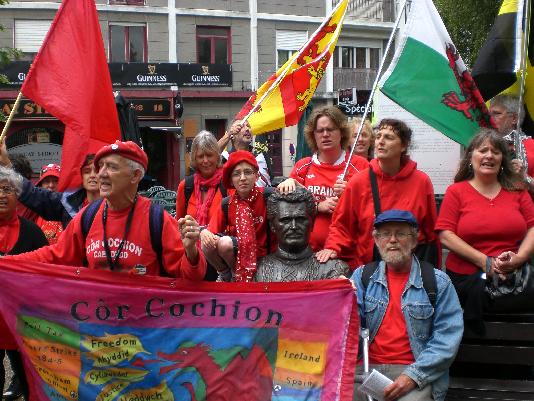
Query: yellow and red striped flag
[282, 99]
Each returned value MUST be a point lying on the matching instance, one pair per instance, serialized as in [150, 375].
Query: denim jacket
[434, 333]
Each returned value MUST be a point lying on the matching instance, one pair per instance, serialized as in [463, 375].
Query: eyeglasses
[327, 129]
[7, 190]
[248, 173]
[499, 113]
[388, 234]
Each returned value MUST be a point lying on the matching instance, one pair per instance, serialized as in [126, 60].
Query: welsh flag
[428, 78]
[282, 99]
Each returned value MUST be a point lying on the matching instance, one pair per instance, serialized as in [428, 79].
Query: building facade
[202, 57]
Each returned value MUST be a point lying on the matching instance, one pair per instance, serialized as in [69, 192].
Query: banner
[98, 335]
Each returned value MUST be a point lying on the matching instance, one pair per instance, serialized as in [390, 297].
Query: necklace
[113, 262]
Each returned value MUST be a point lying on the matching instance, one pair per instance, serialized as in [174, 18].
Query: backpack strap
[189, 188]
[88, 216]
[224, 206]
[223, 190]
[155, 222]
[428, 276]
[374, 190]
[367, 272]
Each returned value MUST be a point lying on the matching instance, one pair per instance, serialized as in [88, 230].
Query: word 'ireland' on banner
[98, 335]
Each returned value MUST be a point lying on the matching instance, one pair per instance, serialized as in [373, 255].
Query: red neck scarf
[245, 266]
[209, 185]
[9, 233]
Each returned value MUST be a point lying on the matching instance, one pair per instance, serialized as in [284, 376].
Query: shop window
[374, 58]
[361, 57]
[213, 45]
[128, 43]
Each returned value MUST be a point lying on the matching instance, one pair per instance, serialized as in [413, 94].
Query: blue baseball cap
[396, 216]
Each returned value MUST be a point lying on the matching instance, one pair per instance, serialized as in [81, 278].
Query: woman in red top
[485, 221]
[200, 194]
[328, 134]
[237, 234]
[400, 186]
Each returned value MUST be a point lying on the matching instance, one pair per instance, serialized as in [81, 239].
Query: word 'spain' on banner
[98, 335]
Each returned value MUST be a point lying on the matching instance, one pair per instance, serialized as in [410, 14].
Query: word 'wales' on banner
[98, 335]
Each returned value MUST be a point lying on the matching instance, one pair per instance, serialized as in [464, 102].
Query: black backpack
[427, 274]
[155, 224]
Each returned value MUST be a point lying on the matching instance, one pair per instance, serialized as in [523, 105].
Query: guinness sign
[205, 75]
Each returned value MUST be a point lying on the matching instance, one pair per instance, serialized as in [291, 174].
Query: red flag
[69, 77]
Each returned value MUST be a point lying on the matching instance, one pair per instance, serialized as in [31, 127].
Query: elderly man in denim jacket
[411, 341]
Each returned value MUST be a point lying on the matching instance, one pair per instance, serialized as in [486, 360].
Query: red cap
[233, 160]
[129, 150]
[49, 170]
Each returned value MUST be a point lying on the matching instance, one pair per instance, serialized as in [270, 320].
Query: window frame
[127, 42]
[127, 2]
[213, 38]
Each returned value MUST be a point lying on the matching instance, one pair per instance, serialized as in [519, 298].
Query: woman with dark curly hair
[486, 220]
[328, 134]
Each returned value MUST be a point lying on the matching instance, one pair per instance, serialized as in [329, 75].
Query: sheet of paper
[375, 384]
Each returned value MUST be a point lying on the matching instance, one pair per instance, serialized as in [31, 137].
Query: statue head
[291, 218]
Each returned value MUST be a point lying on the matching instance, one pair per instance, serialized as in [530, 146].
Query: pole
[518, 145]
[11, 115]
[289, 64]
[375, 84]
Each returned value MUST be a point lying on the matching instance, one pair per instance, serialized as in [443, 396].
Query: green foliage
[468, 23]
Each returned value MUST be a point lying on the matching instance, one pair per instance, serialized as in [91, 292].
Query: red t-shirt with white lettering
[319, 178]
[72, 248]
[391, 344]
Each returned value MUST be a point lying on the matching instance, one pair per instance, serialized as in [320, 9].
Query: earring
[470, 166]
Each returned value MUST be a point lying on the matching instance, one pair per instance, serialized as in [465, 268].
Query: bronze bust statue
[291, 218]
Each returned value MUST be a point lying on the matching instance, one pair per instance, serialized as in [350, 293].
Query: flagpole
[11, 115]
[375, 84]
[524, 51]
[294, 57]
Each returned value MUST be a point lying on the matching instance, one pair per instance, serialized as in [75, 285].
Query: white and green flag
[428, 78]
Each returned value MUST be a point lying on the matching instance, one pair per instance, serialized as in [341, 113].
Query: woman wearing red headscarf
[237, 235]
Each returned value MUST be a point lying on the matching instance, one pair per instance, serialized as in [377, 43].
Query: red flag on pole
[69, 77]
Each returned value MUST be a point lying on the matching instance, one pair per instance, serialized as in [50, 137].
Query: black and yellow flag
[498, 66]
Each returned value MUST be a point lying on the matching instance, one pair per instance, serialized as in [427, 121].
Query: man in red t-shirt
[415, 325]
[119, 237]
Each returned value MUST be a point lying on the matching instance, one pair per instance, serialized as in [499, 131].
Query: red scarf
[245, 266]
[9, 233]
[211, 184]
